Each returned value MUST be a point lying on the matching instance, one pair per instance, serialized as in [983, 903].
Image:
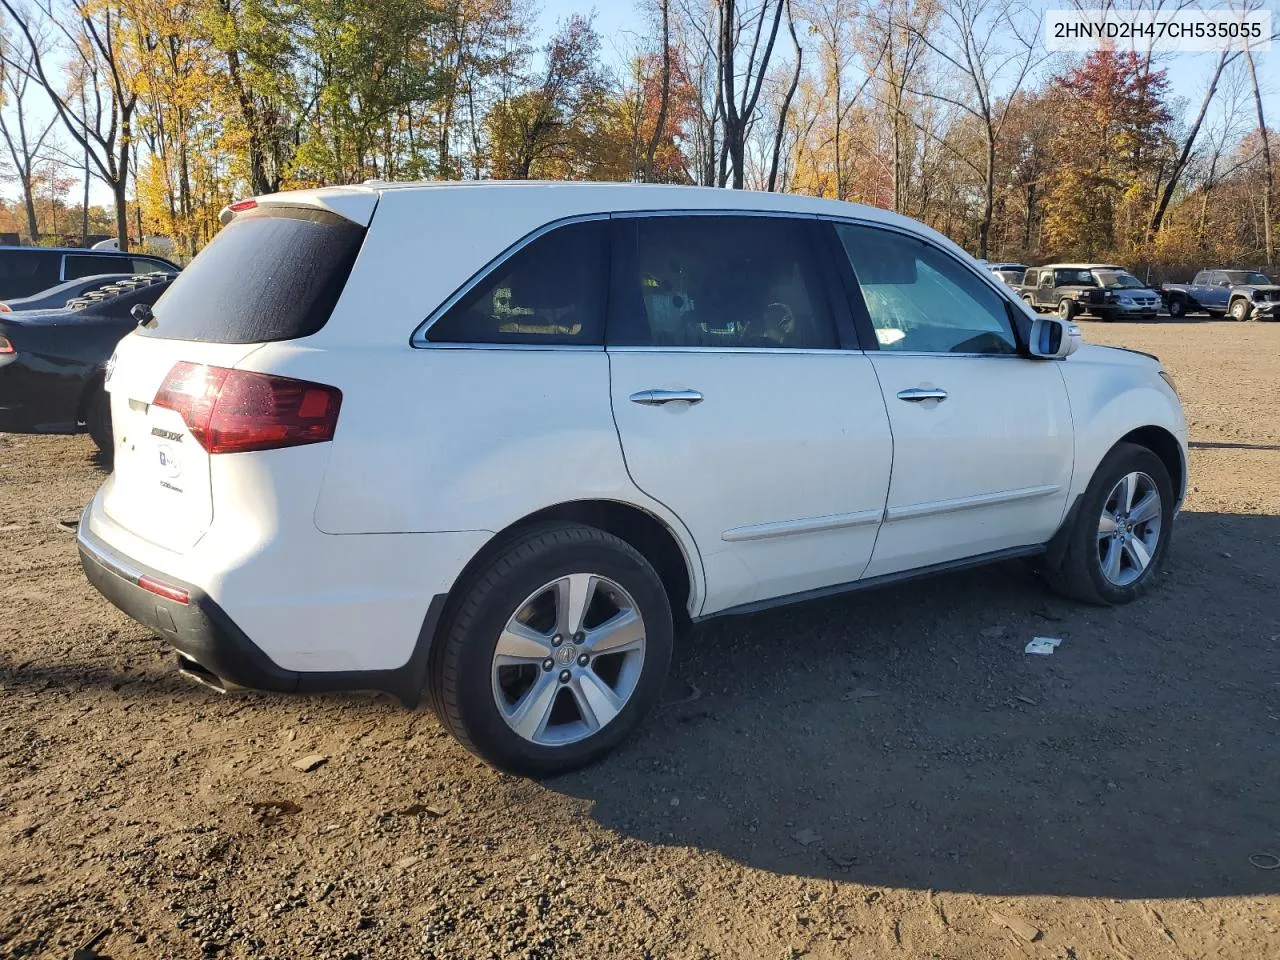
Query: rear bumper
[203, 632]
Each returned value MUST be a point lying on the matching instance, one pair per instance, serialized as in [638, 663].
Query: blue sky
[620, 24]
[1188, 73]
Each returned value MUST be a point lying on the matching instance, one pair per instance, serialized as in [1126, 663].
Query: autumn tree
[543, 128]
[98, 106]
[24, 135]
[1110, 111]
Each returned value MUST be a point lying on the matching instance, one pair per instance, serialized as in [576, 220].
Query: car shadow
[903, 737]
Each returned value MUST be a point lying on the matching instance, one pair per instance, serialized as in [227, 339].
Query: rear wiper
[142, 313]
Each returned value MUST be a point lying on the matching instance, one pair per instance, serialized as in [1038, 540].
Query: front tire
[1067, 309]
[554, 652]
[1241, 310]
[1120, 533]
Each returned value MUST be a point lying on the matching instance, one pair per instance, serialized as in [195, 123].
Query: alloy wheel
[1129, 529]
[568, 660]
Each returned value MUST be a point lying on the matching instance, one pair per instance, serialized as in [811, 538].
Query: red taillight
[242, 205]
[5, 345]
[161, 589]
[235, 411]
[5, 308]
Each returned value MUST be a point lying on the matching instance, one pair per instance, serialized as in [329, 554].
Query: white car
[497, 443]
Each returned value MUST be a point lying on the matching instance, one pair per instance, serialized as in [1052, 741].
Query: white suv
[496, 443]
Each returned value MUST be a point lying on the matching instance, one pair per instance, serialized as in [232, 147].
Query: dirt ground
[886, 774]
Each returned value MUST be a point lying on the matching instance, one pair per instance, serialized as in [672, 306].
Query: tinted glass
[1073, 278]
[1201, 279]
[143, 265]
[271, 274]
[719, 282]
[86, 265]
[550, 292]
[24, 272]
[923, 301]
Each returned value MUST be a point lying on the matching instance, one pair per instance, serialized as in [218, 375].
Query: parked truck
[1067, 289]
[1243, 294]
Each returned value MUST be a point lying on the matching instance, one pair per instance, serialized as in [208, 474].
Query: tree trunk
[666, 93]
[1268, 195]
[33, 227]
[122, 214]
[1184, 155]
[988, 203]
[786, 105]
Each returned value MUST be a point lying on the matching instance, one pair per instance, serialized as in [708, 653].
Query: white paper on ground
[1043, 646]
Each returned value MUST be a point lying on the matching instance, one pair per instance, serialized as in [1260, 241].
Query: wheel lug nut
[583, 659]
[548, 663]
[557, 640]
[565, 676]
[579, 637]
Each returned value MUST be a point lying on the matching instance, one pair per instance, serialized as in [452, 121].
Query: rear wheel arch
[648, 534]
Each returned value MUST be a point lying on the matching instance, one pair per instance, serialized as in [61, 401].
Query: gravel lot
[886, 774]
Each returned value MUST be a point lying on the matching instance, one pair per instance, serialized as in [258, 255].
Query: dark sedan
[52, 362]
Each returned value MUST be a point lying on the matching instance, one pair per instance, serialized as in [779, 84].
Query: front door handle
[919, 394]
[656, 398]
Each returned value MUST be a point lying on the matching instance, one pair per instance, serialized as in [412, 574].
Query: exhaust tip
[200, 674]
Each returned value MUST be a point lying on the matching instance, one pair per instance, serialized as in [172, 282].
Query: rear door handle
[918, 394]
[656, 398]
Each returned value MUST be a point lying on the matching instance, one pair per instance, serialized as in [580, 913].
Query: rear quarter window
[273, 273]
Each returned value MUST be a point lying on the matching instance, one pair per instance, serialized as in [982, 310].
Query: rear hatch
[274, 273]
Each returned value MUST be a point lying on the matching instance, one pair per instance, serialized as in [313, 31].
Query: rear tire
[98, 422]
[1177, 307]
[1030, 302]
[542, 705]
[1115, 549]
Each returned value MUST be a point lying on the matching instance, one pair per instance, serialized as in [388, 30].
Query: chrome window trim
[419, 335]
[814, 351]
[543, 347]
[716, 212]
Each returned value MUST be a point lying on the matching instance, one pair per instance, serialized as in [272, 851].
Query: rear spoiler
[351, 203]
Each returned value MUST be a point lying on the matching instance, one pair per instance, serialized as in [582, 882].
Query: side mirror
[1053, 339]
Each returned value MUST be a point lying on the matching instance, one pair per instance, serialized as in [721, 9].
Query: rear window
[273, 273]
[84, 265]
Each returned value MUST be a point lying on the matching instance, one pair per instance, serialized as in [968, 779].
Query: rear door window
[724, 282]
[273, 273]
